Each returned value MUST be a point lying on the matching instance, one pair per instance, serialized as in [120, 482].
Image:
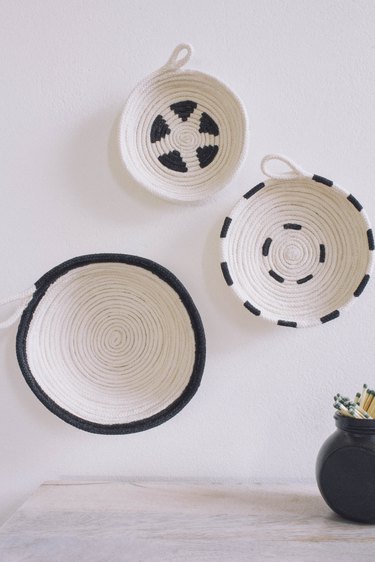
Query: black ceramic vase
[345, 469]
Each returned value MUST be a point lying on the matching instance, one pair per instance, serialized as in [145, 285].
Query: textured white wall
[305, 71]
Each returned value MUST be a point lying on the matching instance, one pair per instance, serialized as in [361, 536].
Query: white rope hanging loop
[24, 298]
[183, 134]
[297, 249]
[112, 343]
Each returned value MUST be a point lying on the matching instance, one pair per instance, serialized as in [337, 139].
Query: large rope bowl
[183, 134]
[297, 249]
[111, 343]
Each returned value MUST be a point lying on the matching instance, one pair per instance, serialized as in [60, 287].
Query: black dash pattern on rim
[254, 190]
[362, 285]
[173, 161]
[266, 246]
[225, 271]
[159, 129]
[370, 238]
[165, 275]
[330, 316]
[202, 153]
[292, 226]
[355, 202]
[287, 323]
[276, 276]
[225, 227]
[321, 179]
[251, 308]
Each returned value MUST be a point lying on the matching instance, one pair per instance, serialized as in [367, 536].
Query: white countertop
[112, 521]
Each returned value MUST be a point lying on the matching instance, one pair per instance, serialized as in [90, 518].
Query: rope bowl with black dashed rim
[183, 133]
[297, 249]
[110, 343]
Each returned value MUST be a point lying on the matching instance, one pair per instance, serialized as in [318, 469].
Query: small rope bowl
[110, 343]
[183, 134]
[297, 249]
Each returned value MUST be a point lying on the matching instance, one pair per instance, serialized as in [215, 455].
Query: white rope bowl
[297, 249]
[111, 343]
[183, 134]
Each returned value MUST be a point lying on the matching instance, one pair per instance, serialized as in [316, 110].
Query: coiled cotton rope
[297, 249]
[112, 343]
[183, 134]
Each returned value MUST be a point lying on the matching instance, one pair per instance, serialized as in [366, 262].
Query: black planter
[345, 469]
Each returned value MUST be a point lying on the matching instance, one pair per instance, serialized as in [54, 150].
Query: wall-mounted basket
[297, 249]
[110, 343]
[183, 134]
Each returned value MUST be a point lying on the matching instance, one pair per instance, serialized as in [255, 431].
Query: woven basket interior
[183, 134]
[111, 343]
[297, 251]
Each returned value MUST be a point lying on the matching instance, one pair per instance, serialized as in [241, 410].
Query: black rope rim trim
[252, 308]
[354, 201]
[321, 179]
[359, 290]
[225, 227]
[196, 323]
[287, 323]
[254, 190]
[370, 239]
[330, 316]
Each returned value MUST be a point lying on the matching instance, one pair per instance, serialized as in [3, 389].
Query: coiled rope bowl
[111, 343]
[297, 249]
[183, 134]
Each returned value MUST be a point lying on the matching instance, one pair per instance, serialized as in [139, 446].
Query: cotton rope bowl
[297, 249]
[183, 134]
[111, 343]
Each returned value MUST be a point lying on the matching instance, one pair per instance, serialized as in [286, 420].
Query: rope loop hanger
[292, 171]
[110, 343]
[25, 298]
[297, 249]
[183, 133]
[178, 59]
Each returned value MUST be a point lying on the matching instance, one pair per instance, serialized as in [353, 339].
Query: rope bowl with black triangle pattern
[297, 249]
[183, 134]
[110, 343]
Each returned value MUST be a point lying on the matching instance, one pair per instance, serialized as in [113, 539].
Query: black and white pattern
[185, 137]
[297, 251]
[111, 343]
[183, 134]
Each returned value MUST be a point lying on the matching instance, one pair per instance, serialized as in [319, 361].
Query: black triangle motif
[173, 161]
[206, 154]
[184, 109]
[208, 125]
[159, 129]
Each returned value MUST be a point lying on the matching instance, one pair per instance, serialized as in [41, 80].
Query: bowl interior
[111, 343]
[183, 134]
[297, 251]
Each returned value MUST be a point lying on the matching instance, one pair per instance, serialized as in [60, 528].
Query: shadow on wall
[99, 181]
[92, 162]
[233, 313]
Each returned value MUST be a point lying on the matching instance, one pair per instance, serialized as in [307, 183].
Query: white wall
[305, 71]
